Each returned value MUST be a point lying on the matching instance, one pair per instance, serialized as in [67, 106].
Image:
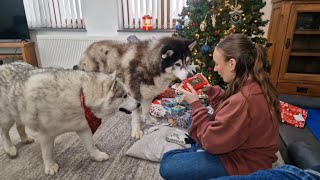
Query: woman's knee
[166, 169]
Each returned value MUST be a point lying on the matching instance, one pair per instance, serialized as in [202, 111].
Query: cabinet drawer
[299, 89]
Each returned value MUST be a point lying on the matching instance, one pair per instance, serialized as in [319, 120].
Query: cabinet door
[301, 54]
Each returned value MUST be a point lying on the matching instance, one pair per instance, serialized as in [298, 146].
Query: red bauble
[216, 33]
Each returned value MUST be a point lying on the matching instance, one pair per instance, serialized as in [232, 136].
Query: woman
[241, 136]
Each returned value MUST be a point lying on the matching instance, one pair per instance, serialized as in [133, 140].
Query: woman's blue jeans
[192, 163]
[284, 172]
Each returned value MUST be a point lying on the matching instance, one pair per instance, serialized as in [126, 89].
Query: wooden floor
[113, 137]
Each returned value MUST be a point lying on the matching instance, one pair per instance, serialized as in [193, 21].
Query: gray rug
[112, 137]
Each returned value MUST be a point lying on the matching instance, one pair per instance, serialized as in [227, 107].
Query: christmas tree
[208, 21]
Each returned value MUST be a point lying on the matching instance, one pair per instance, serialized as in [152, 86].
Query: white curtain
[54, 13]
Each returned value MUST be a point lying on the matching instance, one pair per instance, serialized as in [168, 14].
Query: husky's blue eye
[177, 64]
[125, 96]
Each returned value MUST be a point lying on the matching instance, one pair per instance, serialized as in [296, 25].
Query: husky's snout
[125, 110]
[129, 105]
[190, 74]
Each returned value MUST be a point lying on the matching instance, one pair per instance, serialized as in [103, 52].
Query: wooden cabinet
[27, 52]
[295, 52]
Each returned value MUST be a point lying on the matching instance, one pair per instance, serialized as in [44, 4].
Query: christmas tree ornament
[203, 25]
[197, 1]
[231, 30]
[205, 48]
[216, 32]
[235, 13]
[178, 27]
[213, 21]
[212, 9]
[193, 67]
[186, 21]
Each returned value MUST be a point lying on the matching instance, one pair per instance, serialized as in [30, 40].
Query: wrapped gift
[157, 110]
[170, 103]
[185, 120]
[177, 110]
[186, 105]
[156, 101]
[293, 115]
[168, 93]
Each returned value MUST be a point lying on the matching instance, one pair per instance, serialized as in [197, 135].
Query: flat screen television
[13, 22]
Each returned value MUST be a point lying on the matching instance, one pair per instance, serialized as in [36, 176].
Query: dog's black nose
[138, 105]
[75, 67]
[189, 75]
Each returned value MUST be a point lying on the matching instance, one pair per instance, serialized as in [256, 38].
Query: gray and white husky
[146, 67]
[51, 102]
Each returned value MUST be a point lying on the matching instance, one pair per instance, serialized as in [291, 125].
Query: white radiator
[61, 52]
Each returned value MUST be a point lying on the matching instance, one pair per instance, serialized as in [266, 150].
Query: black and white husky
[146, 67]
[54, 101]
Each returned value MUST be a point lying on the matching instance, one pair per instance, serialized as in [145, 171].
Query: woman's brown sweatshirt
[240, 131]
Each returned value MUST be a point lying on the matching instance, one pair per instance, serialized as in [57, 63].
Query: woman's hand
[206, 88]
[188, 96]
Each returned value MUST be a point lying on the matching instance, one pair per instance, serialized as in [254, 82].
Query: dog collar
[92, 120]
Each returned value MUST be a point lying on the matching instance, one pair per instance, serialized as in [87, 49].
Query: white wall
[267, 14]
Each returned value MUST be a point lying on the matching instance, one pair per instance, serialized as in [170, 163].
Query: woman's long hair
[251, 60]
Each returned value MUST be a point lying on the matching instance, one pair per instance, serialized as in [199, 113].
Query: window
[54, 14]
[164, 13]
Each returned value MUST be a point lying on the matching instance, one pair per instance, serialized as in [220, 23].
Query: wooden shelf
[307, 31]
[305, 54]
[17, 56]
[28, 53]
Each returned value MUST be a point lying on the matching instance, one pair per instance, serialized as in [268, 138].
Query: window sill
[145, 31]
[59, 29]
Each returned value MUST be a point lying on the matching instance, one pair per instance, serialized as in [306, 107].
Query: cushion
[304, 155]
[153, 145]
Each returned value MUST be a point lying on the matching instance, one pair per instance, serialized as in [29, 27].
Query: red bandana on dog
[93, 121]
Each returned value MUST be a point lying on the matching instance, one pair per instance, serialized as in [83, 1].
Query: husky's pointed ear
[190, 43]
[114, 80]
[167, 54]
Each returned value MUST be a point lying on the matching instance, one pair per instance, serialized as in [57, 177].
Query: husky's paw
[27, 141]
[136, 133]
[100, 156]
[11, 152]
[51, 169]
[151, 120]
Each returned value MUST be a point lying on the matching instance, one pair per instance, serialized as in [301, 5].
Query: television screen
[13, 22]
